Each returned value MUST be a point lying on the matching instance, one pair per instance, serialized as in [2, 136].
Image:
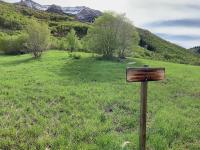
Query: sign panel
[144, 74]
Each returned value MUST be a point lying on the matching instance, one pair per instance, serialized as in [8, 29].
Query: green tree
[111, 34]
[38, 38]
[126, 35]
[72, 41]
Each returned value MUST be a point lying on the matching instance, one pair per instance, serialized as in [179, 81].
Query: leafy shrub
[146, 53]
[147, 45]
[74, 56]
[38, 38]
[61, 29]
[111, 34]
[72, 41]
[57, 43]
[13, 44]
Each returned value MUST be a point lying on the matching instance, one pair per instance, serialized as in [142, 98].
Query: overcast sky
[177, 21]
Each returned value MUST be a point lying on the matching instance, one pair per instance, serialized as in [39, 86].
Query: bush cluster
[12, 44]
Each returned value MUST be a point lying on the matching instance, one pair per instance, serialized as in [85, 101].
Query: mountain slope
[33, 5]
[166, 50]
[82, 13]
[15, 17]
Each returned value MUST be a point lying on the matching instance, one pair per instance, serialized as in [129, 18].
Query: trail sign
[144, 75]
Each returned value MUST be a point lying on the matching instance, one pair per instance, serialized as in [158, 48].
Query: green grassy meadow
[58, 102]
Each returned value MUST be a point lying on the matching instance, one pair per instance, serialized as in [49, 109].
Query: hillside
[166, 50]
[195, 49]
[15, 17]
[58, 102]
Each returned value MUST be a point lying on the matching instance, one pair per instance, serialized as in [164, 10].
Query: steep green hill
[165, 50]
[14, 18]
[58, 102]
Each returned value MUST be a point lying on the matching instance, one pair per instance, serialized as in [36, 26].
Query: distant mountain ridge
[33, 5]
[82, 13]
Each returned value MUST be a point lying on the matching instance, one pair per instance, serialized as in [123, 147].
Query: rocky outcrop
[88, 14]
[33, 5]
[55, 9]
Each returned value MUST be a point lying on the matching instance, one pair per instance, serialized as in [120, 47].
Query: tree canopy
[111, 34]
[72, 40]
[38, 38]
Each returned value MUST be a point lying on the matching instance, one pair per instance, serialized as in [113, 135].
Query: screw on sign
[144, 75]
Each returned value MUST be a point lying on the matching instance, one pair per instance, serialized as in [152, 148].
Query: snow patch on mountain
[82, 13]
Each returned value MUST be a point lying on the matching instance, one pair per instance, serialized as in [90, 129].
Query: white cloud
[187, 44]
[177, 30]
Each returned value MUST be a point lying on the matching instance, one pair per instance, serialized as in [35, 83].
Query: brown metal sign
[144, 74]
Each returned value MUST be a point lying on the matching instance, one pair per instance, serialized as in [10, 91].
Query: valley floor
[58, 102]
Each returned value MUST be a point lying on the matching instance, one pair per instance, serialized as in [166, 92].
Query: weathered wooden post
[144, 75]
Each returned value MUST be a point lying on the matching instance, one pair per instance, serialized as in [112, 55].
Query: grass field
[58, 102]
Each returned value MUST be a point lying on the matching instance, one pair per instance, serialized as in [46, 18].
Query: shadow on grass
[95, 70]
[17, 62]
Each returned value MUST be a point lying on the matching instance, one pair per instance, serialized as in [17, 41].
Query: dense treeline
[60, 29]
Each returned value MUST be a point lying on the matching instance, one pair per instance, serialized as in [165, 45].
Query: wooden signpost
[144, 75]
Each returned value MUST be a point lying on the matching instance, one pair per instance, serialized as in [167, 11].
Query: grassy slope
[168, 51]
[15, 17]
[61, 103]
